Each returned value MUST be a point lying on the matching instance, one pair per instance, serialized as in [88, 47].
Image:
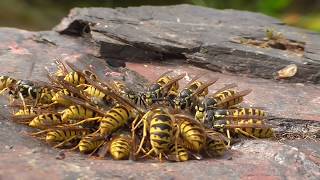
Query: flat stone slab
[219, 40]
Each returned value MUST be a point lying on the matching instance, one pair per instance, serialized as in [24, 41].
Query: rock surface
[160, 45]
[201, 36]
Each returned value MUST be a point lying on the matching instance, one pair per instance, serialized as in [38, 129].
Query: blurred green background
[44, 14]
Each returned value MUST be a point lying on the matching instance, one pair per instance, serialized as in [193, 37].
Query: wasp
[97, 96]
[25, 89]
[222, 99]
[134, 97]
[191, 133]
[76, 113]
[90, 143]
[6, 82]
[57, 98]
[189, 96]
[25, 112]
[63, 135]
[62, 69]
[158, 123]
[46, 95]
[178, 153]
[46, 120]
[111, 120]
[232, 114]
[161, 87]
[120, 147]
[215, 145]
[253, 128]
[75, 78]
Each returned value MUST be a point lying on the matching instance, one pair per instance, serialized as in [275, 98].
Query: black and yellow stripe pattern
[161, 88]
[161, 132]
[179, 154]
[89, 143]
[193, 135]
[76, 113]
[46, 96]
[238, 113]
[75, 78]
[195, 85]
[224, 95]
[58, 97]
[246, 127]
[215, 146]
[120, 148]
[6, 81]
[25, 112]
[60, 135]
[263, 132]
[114, 119]
[165, 80]
[43, 121]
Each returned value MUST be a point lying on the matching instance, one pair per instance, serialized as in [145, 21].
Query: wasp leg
[3, 90]
[144, 135]
[91, 154]
[73, 149]
[22, 99]
[64, 142]
[229, 138]
[83, 85]
[148, 153]
[134, 127]
[85, 120]
[246, 134]
[176, 141]
[39, 133]
[133, 137]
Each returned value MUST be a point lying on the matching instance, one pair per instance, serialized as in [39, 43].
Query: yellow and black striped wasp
[212, 115]
[193, 92]
[158, 90]
[224, 98]
[61, 136]
[253, 128]
[158, 124]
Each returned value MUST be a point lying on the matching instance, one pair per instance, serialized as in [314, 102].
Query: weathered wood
[197, 35]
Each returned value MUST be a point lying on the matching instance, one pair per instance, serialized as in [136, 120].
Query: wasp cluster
[78, 111]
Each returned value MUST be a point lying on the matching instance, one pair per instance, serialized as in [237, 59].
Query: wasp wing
[235, 96]
[203, 87]
[85, 104]
[174, 80]
[226, 87]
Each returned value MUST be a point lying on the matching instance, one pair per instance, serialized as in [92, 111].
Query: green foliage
[44, 14]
